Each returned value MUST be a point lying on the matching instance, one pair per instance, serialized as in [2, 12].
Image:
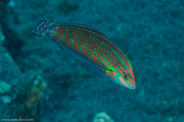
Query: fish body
[90, 45]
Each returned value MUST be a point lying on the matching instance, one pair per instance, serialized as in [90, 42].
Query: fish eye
[124, 73]
[125, 76]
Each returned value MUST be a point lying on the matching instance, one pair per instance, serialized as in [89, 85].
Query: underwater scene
[92, 60]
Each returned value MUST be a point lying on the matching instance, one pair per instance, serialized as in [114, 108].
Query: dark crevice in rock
[12, 43]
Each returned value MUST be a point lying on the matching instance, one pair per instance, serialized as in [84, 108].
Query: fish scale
[77, 36]
[90, 45]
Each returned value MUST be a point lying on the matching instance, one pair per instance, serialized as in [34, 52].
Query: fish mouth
[128, 83]
[132, 84]
[132, 87]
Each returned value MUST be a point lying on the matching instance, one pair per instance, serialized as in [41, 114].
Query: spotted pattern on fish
[90, 45]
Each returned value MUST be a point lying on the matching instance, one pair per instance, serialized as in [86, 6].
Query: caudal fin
[40, 27]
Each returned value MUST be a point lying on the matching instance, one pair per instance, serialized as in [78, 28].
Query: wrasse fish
[89, 45]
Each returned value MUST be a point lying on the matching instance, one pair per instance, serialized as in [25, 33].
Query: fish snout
[129, 83]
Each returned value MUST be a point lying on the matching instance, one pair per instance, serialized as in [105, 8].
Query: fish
[89, 45]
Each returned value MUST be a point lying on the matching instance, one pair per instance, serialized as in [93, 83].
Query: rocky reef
[40, 81]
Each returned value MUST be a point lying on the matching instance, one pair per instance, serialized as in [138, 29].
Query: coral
[11, 3]
[4, 87]
[35, 94]
[6, 99]
[28, 99]
[102, 117]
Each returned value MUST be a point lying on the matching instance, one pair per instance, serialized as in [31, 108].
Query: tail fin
[41, 27]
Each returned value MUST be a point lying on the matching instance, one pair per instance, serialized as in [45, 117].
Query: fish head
[122, 75]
